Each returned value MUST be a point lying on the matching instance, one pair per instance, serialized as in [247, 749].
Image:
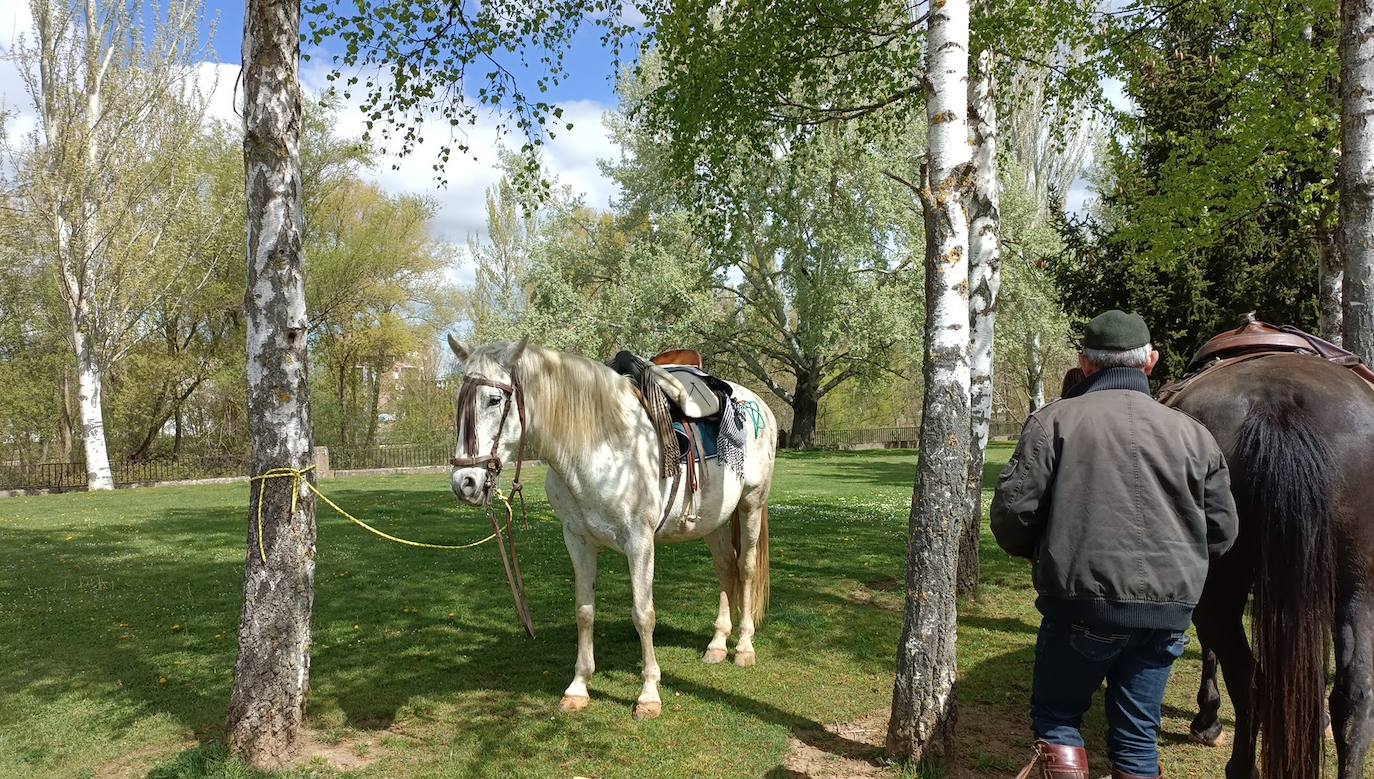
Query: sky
[586, 95]
[572, 156]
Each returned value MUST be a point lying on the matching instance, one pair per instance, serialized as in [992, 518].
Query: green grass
[118, 614]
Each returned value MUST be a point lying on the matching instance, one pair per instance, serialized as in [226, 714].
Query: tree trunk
[1035, 372]
[1357, 174]
[1330, 273]
[271, 677]
[66, 429]
[806, 402]
[89, 406]
[921, 729]
[373, 401]
[985, 280]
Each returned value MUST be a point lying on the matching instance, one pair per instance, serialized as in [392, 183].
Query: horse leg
[1206, 728]
[583, 554]
[1220, 625]
[641, 556]
[723, 555]
[751, 518]
[1352, 699]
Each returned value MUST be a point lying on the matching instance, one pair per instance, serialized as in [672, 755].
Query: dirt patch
[884, 593]
[853, 750]
[353, 753]
[140, 761]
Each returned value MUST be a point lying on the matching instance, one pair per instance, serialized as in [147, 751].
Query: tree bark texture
[985, 280]
[1357, 174]
[1035, 372]
[1330, 279]
[806, 402]
[90, 407]
[271, 678]
[921, 729]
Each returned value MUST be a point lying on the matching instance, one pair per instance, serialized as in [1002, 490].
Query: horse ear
[460, 351]
[516, 351]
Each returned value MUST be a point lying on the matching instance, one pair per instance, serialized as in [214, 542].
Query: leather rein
[467, 407]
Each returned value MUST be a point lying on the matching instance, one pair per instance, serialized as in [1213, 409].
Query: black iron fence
[396, 456]
[895, 437]
[72, 475]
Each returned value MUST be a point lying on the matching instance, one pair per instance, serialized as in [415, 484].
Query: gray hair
[1102, 359]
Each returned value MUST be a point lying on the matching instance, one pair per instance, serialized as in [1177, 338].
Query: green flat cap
[1116, 331]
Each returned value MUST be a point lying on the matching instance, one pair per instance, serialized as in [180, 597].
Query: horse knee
[586, 615]
[645, 618]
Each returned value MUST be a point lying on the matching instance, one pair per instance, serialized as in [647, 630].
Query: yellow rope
[295, 475]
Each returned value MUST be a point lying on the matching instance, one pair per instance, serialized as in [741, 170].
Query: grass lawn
[118, 614]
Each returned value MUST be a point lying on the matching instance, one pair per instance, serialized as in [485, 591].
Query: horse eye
[493, 401]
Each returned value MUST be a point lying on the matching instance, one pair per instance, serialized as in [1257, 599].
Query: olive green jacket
[1120, 502]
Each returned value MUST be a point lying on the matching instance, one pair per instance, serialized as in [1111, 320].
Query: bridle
[465, 435]
[466, 411]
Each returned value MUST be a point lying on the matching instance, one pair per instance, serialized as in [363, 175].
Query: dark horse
[1298, 433]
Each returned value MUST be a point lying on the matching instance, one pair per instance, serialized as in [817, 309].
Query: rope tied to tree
[296, 475]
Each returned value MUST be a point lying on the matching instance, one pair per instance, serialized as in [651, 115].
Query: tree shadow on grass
[141, 614]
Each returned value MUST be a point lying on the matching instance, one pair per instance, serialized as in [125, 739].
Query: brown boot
[1117, 773]
[1055, 762]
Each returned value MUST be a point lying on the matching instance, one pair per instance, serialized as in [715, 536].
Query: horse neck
[574, 415]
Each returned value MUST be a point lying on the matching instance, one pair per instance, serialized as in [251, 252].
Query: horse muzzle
[473, 478]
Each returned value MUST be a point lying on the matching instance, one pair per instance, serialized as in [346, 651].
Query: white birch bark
[1035, 371]
[271, 677]
[1357, 174]
[985, 280]
[921, 729]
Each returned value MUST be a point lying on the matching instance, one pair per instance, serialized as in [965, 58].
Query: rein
[465, 433]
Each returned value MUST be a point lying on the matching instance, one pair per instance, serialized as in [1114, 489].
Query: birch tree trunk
[1330, 279]
[90, 408]
[985, 280]
[271, 678]
[1035, 372]
[1357, 174]
[921, 729]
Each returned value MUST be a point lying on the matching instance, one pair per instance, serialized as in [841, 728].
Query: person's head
[1116, 339]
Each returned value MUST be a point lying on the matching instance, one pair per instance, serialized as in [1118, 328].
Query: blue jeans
[1071, 662]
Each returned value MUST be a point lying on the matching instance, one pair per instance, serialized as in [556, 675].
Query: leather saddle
[1257, 339]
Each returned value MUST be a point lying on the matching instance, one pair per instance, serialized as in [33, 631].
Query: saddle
[685, 405]
[1259, 339]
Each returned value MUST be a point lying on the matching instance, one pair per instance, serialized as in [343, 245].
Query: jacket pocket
[1097, 644]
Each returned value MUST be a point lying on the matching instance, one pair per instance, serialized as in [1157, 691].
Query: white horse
[604, 485]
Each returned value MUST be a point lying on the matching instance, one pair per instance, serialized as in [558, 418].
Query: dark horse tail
[1283, 470]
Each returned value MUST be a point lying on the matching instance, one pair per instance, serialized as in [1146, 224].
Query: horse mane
[574, 403]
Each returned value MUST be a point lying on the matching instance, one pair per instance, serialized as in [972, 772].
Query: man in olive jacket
[1120, 502]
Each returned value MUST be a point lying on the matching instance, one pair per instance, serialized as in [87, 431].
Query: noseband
[467, 439]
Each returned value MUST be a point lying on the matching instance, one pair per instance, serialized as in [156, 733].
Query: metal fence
[398, 456]
[895, 437]
[72, 475]
[59, 476]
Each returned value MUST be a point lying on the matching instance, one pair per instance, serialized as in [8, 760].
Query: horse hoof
[744, 659]
[713, 656]
[1217, 740]
[574, 703]
[648, 710]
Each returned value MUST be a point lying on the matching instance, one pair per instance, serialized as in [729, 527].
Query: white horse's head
[491, 418]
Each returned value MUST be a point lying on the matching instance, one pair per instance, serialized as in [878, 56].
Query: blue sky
[588, 62]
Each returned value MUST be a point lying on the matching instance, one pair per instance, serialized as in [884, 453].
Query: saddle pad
[706, 432]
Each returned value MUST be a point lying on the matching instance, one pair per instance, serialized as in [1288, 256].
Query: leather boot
[1056, 762]
[1117, 773]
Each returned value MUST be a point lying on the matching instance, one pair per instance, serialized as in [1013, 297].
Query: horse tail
[1284, 470]
[760, 585]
